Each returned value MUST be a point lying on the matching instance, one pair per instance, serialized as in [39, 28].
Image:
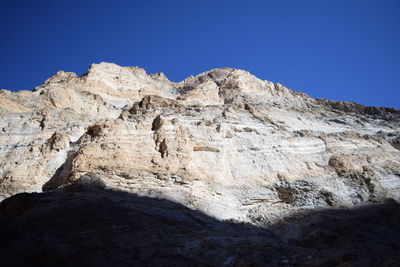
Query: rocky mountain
[222, 149]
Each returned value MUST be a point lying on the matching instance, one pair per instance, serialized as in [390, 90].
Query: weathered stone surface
[86, 226]
[223, 142]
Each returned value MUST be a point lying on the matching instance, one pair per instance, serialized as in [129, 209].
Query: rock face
[203, 154]
[224, 142]
[87, 226]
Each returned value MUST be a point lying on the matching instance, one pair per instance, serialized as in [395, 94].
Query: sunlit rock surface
[224, 142]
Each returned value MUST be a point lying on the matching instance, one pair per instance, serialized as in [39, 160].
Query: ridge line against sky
[339, 50]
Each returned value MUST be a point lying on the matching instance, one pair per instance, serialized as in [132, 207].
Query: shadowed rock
[86, 226]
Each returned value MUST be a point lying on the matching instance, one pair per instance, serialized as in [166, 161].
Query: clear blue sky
[336, 49]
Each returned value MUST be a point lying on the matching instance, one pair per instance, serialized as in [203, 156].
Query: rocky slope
[223, 143]
[86, 226]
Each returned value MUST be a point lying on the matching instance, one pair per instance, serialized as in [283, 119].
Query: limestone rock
[223, 142]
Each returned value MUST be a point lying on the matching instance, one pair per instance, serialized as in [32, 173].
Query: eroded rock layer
[223, 142]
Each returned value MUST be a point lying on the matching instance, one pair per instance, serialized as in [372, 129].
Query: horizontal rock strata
[223, 142]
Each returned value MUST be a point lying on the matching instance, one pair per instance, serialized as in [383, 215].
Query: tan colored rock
[223, 142]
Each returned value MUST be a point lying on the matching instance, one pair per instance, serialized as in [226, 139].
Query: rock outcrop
[88, 226]
[223, 142]
[223, 145]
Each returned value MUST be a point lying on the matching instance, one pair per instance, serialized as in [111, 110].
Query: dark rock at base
[86, 226]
